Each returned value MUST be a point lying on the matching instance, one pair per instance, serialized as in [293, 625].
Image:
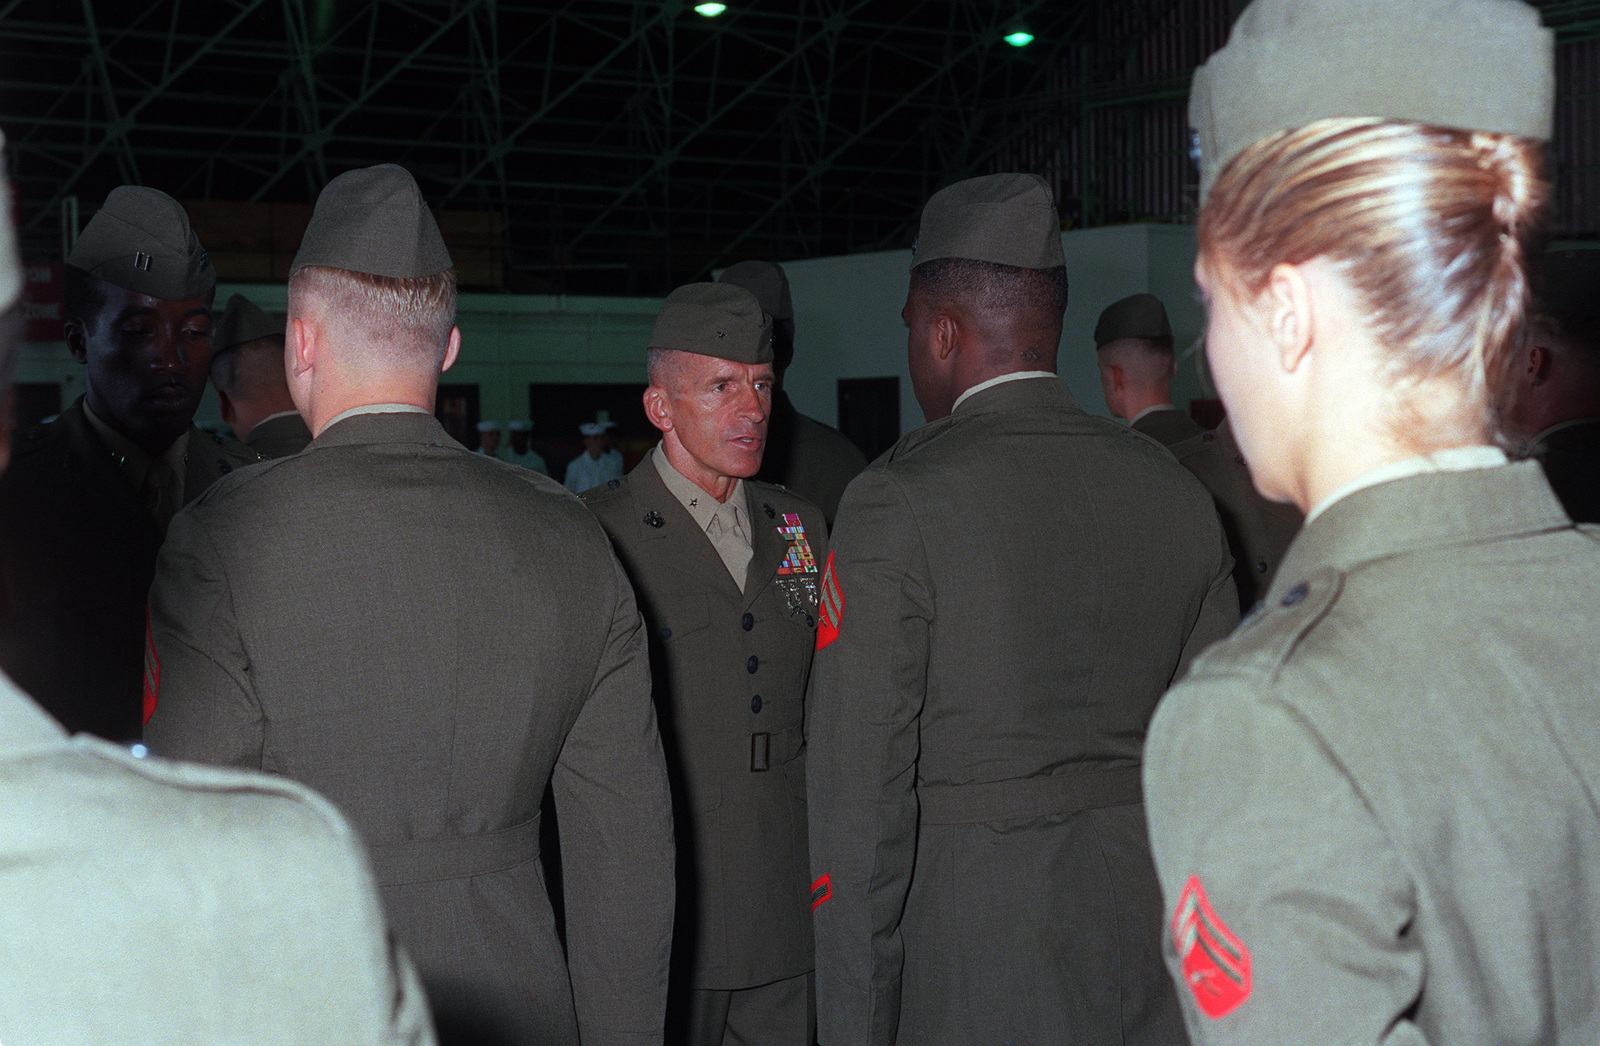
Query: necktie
[160, 491]
[728, 537]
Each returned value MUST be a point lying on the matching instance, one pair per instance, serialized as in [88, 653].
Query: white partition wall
[847, 314]
[847, 323]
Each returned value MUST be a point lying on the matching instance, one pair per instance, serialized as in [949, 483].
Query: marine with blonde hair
[317, 616]
[1373, 806]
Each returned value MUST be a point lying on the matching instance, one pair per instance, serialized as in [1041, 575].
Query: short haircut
[242, 370]
[404, 316]
[658, 365]
[1433, 227]
[1148, 361]
[1576, 339]
[993, 288]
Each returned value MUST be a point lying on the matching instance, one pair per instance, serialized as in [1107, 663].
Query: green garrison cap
[373, 220]
[10, 260]
[714, 319]
[1007, 219]
[1136, 316]
[243, 320]
[767, 282]
[141, 241]
[1480, 65]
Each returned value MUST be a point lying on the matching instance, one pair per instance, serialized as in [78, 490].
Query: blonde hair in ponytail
[1433, 227]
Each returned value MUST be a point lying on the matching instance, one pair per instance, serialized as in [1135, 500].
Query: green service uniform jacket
[1009, 592]
[150, 903]
[809, 458]
[428, 637]
[730, 671]
[1167, 426]
[77, 551]
[280, 436]
[1259, 531]
[1373, 807]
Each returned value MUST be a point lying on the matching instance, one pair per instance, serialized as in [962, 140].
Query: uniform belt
[768, 750]
[455, 856]
[1063, 793]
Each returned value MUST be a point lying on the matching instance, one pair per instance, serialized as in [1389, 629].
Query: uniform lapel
[690, 549]
[767, 546]
[86, 451]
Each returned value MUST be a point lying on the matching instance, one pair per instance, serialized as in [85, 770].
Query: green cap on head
[243, 320]
[1479, 65]
[373, 220]
[140, 240]
[714, 319]
[1006, 219]
[1136, 316]
[767, 282]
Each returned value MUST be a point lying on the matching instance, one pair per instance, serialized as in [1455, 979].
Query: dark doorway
[457, 410]
[558, 409]
[869, 413]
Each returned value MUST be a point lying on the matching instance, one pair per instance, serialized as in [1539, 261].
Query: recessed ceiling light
[710, 10]
[1019, 37]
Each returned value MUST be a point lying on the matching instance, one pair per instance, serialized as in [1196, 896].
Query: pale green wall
[847, 323]
[847, 314]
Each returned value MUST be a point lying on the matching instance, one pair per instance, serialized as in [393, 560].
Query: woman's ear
[1291, 314]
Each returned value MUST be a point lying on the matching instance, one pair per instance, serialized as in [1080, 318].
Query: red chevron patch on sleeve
[821, 890]
[831, 606]
[1216, 964]
[152, 669]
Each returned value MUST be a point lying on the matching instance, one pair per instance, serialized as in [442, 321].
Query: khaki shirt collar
[132, 461]
[1451, 459]
[702, 507]
[376, 408]
[1151, 410]
[1001, 380]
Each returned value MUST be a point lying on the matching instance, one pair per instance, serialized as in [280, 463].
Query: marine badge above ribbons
[1216, 964]
[797, 574]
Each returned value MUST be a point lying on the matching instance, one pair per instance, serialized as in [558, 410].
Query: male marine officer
[1009, 591]
[318, 615]
[726, 570]
[86, 501]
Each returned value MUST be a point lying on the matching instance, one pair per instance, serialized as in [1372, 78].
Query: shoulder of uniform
[610, 490]
[232, 451]
[1197, 444]
[774, 500]
[920, 437]
[266, 791]
[234, 475]
[37, 438]
[1275, 628]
